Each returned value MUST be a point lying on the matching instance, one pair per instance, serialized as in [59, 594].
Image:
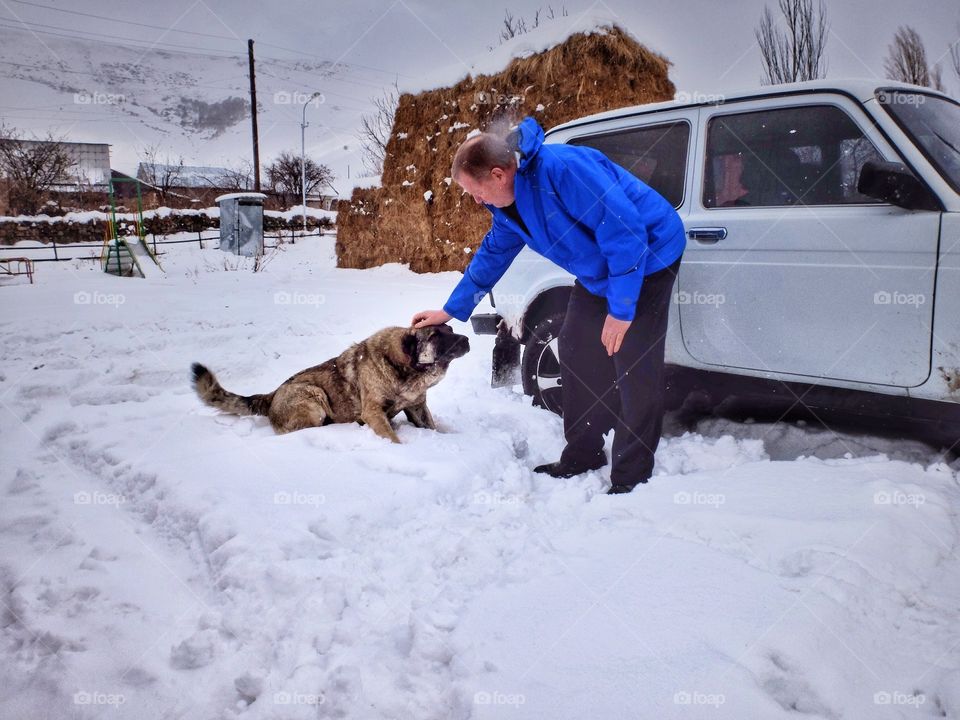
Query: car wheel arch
[548, 302]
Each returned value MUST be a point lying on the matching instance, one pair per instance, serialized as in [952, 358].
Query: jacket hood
[529, 138]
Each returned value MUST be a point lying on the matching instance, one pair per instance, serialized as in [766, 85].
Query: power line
[95, 36]
[124, 22]
[325, 92]
[283, 63]
[327, 76]
[199, 34]
[113, 76]
[206, 53]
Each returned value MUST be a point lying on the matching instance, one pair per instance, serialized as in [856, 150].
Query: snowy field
[158, 560]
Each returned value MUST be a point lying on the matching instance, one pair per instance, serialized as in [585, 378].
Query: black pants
[623, 392]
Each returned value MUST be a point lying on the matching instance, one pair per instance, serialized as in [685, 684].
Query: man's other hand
[612, 334]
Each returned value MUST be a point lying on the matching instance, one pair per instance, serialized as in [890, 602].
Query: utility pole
[303, 158]
[253, 117]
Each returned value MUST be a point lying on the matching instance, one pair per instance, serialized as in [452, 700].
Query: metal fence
[64, 251]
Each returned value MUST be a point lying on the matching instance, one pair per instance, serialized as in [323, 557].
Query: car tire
[540, 364]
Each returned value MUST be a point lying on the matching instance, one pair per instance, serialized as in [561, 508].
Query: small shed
[241, 223]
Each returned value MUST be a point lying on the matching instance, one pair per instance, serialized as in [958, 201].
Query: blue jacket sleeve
[592, 193]
[497, 250]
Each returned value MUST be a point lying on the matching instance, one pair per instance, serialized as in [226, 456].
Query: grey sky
[709, 42]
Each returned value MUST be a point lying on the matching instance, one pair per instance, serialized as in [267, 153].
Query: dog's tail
[209, 390]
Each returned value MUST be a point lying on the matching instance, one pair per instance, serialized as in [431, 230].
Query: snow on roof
[297, 211]
[240, 196]
[192, 176]
[549, 34]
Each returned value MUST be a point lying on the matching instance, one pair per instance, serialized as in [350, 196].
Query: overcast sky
[710, 43]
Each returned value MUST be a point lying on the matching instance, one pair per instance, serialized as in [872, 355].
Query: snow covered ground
[158, 560]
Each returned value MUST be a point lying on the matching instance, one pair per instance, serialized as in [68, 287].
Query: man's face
[496, 188]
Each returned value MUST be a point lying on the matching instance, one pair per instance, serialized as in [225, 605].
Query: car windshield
[933, 123]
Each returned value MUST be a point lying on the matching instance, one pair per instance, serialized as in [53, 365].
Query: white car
[820, 277]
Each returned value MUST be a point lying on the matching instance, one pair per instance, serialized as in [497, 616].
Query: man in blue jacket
[623, 242]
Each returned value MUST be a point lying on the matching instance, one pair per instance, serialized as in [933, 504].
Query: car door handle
[707, 235]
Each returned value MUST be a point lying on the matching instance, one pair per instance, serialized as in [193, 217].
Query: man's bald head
[478, 155]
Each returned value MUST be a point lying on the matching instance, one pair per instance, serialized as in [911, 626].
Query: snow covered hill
[184, 102]
[158, 560]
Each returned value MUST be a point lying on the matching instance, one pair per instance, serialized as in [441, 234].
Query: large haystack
[419, 216]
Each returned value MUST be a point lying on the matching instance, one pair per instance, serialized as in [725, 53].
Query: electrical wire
[198, 34]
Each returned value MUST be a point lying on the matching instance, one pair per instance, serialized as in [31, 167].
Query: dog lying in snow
[370, 382]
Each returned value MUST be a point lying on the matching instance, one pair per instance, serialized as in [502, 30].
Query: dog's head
[434, 345]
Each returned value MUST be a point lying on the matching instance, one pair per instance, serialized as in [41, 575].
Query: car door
[788, 269]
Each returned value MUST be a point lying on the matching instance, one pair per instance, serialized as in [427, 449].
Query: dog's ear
[410, 346]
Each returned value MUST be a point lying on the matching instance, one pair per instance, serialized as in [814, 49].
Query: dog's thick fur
[370, 382]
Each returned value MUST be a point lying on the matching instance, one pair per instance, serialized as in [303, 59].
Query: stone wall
[64, 231]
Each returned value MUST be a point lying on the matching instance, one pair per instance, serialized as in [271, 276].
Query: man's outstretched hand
[429, 317]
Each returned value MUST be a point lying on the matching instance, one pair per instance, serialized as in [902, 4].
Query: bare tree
[513, 26]
[237, 177]
[795, 53]
[32, 167]
[284, 175]
[375, 130]
[907, 60]
[160, 169]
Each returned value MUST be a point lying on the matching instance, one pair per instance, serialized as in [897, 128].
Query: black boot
[621, 489]
[561, 469]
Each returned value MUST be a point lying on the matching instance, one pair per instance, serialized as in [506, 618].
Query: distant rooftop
[189, 176]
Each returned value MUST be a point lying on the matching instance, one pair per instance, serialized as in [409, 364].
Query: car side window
[657, 155]
[808, 155]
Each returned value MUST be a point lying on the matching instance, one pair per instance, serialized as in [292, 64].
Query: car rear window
[656, 154]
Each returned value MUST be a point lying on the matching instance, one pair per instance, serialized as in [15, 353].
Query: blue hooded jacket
[584, 212]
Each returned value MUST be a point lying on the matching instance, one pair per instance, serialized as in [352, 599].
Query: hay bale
[587, 73]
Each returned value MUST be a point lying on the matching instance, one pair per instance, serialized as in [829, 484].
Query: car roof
[862, 89]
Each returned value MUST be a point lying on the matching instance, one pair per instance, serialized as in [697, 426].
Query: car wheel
[540, 364]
